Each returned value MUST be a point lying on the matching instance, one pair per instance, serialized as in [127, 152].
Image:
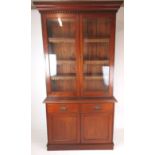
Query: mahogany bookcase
[79, 43]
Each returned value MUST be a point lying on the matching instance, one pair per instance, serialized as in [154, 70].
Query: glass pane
[96, 32]
[62, 54]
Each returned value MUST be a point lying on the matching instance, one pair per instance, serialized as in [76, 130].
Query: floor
[38, 145]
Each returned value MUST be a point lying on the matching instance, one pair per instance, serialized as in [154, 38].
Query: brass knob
[63, 108]
[97, 107]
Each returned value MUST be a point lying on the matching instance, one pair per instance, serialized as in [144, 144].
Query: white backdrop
[38, 121]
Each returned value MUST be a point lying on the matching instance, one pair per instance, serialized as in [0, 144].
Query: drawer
[61, 108]
[97, 107]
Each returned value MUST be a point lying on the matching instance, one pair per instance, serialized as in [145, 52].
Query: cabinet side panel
[112, 54]
[45, 46]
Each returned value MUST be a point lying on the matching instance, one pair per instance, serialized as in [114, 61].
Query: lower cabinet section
[80, 126]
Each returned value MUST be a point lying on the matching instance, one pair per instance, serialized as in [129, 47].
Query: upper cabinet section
[78, 42]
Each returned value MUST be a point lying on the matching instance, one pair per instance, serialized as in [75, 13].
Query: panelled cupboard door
[63, 128]
[97, 40]
[61, 40]
[96, 128]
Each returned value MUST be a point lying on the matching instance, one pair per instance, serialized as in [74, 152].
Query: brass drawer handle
[97, 107]
[63, 108]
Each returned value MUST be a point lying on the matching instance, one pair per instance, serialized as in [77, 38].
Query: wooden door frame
[111, 15]
[45, 16]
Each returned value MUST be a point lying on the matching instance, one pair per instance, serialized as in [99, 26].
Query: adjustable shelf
[61, 40]
[61, 62]
[97, 62]
[93, 76]
[96, 40]
[64, 77]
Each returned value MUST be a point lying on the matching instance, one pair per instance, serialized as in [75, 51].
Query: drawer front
[97, 107]
[62, 108]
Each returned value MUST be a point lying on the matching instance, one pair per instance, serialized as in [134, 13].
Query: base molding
[108, 146]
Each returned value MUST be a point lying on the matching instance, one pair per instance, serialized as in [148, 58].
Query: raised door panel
[63, 128]
[96, 128]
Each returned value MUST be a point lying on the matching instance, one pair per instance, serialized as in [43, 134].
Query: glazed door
[97, 48]
[62, 39]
